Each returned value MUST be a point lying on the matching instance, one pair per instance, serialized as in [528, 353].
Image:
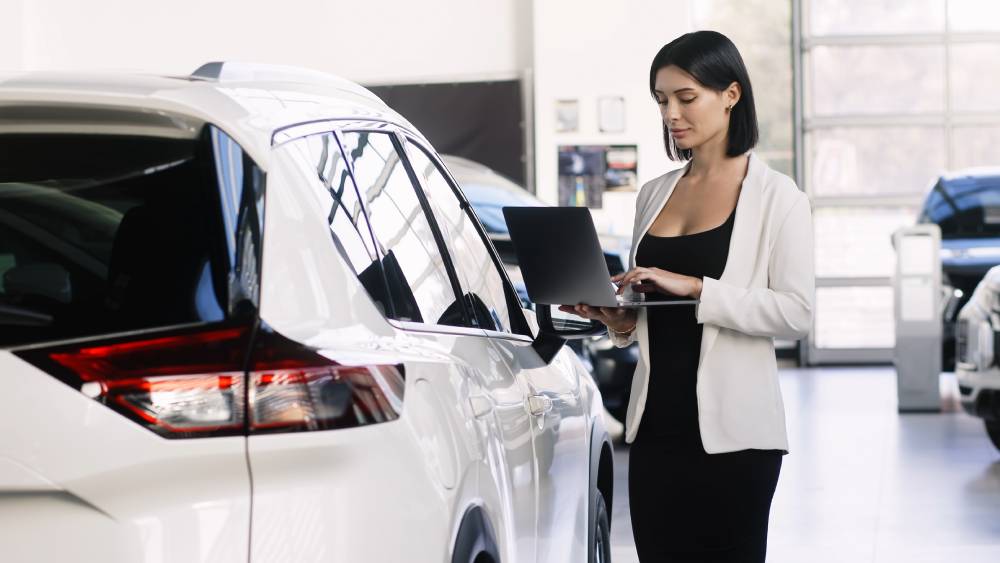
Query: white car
[247, 315]
[977, 365]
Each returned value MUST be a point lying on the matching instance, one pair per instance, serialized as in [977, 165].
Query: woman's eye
[689, 100]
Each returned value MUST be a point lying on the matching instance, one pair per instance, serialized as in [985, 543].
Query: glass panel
[107, 233]
[854, 317]
[875, 80]
[857, 17]
[975, 76]
[420, 288]
[762, 30]
[975, 146]
[974, 15]
[320, 159]
[876, 161]
[472, 258]
[856, 241]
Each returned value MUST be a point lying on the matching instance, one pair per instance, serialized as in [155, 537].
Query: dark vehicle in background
[966, 206]
[489, 192]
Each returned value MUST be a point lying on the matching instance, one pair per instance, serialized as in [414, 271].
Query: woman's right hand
[619, 319]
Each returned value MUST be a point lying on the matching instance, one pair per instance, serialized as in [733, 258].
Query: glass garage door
[890, 94]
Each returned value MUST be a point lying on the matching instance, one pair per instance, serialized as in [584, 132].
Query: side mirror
[566, 325]
[554, 332]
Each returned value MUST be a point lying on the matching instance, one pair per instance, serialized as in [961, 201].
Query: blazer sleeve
[784, 308]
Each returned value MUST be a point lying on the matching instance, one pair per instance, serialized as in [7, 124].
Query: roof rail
[222, 71]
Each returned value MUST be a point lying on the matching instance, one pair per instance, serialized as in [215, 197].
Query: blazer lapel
[656, 203]
[743, 243]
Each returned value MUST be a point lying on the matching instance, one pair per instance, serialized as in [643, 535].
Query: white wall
[375, 41]
[585, 49]
[11, 35]
[579, 49]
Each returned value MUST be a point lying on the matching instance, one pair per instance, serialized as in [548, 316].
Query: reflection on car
[489, 192]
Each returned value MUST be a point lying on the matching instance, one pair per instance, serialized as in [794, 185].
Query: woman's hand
[648, 280]
[615, 318]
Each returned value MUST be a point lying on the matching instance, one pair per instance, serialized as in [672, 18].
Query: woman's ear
[733, 93]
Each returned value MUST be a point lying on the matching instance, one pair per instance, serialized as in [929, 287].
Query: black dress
[687, 505]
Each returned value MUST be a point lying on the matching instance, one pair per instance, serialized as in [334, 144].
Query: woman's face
[693, 113]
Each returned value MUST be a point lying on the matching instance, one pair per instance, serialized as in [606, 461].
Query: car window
[105, 233]
[419, 285]
[321, 161]
[966, 207]
[483, 283]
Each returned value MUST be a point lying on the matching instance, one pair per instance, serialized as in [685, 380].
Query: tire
[993, 430]
[600, 549]
[475, 543]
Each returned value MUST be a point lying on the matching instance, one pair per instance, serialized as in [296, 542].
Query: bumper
[979, 393]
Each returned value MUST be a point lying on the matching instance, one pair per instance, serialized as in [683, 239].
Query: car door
[423, 284]
[393, 484]
[558, 420]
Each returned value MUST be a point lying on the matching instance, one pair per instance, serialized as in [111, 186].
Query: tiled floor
[865, 484]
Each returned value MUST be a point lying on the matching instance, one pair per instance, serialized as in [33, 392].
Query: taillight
[325, 398]
[193, 383]
[294, 388]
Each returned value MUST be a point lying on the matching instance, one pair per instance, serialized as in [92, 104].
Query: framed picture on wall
[567, 116]
[611, 114]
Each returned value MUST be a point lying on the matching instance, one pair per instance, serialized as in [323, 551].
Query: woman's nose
[671, 114]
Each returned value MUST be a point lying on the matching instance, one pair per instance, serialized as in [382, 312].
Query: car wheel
[993, 429]
[600, 550]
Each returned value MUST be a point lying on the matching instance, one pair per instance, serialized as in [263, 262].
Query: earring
[729, 108]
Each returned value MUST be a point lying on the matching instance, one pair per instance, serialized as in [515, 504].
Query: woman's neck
[712, 162]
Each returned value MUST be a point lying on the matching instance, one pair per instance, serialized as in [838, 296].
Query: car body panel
[107, 487]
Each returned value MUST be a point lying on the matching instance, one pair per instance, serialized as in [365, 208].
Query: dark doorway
[481, 121]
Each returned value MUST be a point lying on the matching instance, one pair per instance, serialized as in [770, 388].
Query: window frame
[401, 135]
[364, 230]
[393, 135]
[517, 319]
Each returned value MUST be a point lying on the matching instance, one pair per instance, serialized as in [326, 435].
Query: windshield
[966, 207]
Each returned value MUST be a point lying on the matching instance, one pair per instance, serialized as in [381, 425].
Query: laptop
[562, 262]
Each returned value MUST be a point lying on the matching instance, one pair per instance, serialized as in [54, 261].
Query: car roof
[976, 173]
[250, 103]
[471, 172]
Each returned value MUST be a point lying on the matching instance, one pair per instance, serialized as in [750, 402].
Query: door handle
[480, 405]
[538, 405]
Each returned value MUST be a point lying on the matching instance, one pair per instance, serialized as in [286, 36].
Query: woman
[736, 235]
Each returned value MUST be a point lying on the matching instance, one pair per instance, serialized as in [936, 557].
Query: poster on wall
[622, 173]
[587, 171]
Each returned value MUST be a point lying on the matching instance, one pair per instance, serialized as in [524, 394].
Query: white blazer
[766, 290]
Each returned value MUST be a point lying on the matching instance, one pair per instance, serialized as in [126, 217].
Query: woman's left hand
[648, 280]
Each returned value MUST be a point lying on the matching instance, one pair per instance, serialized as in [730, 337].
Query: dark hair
[712, 59]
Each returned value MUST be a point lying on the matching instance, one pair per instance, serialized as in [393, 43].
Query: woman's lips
[679, 132]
